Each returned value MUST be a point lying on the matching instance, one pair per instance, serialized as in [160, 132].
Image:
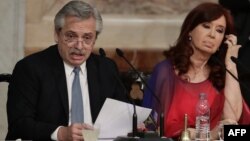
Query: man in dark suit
[39, 105]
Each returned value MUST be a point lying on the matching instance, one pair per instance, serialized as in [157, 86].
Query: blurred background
[143, 29]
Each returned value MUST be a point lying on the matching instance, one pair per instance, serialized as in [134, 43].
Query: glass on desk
[91, 134]
[221, 131]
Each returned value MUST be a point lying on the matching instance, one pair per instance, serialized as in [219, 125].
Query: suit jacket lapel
[60, 79]
[94, 87]
[62, 88]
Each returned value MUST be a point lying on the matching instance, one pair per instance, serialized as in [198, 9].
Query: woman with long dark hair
[196, 64]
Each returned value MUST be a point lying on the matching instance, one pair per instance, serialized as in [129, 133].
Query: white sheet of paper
[115, 118]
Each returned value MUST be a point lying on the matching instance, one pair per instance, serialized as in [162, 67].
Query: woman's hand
[233, 99]
[233, 49]
[141, 127]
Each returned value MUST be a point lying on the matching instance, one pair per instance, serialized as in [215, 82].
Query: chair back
[5, 77]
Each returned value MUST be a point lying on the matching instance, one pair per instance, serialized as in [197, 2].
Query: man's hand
[72, 132]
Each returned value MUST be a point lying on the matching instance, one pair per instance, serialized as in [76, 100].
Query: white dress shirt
[85, 94]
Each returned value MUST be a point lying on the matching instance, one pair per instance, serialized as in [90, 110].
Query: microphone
[121, 54]
[134, 119]
[102, 52]
[237, 62]
[5, 77]
[224, 67]
[234, 59]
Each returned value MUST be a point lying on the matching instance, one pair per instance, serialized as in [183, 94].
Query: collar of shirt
[69, 69]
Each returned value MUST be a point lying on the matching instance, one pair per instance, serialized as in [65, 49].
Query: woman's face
[208, 36]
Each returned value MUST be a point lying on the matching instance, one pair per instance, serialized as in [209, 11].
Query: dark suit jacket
[38, 100]
[240, 10]
[243, 67]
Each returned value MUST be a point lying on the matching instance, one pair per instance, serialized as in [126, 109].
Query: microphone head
[217, 60]
[234, 59]
[119, 52]
[102, 52]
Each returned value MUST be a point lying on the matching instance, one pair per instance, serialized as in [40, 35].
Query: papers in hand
[115, 118]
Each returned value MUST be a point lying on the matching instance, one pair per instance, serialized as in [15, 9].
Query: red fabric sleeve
[245, 116]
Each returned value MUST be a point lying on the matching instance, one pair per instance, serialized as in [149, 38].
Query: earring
[189, 38]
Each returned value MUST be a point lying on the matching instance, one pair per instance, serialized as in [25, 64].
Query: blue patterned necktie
[77, 104]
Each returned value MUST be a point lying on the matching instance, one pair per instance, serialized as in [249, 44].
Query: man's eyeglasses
[72, 38]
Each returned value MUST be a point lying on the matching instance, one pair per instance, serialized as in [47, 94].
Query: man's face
[76, 40]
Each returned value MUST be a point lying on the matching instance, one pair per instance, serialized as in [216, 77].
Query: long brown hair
[180, 53]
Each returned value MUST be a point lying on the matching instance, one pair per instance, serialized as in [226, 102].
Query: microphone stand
[134, 123]
[134, 126]
[161, 124]
[237, 62]
[244, 68]
[223, 65]
[120, 53]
